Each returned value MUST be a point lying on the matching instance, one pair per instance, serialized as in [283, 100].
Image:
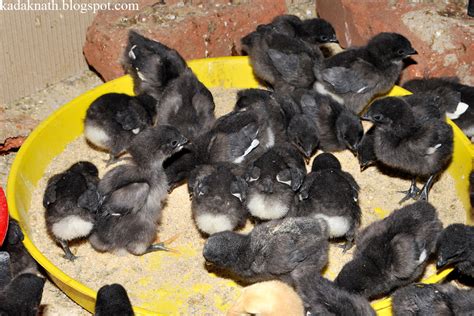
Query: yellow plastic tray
[52, 136]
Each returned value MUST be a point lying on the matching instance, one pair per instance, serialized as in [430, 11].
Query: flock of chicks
[251, 163]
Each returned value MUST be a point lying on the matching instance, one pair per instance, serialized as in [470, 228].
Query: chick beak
[412, 52]
[440, 263]
[333, 40]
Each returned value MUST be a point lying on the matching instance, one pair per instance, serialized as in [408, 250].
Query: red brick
[441, 33]
[196, 30]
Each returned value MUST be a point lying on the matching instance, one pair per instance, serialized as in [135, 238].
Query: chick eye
[174, 143]
[378, 117]
[324, 38]
[401, 52]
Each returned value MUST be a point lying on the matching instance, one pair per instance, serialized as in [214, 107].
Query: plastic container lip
[226, 72]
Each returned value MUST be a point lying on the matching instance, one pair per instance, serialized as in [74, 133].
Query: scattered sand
[178, 283]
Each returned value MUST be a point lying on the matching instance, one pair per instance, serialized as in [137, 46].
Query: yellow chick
[273, 298]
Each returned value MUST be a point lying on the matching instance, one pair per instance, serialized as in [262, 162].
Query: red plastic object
[3, 216]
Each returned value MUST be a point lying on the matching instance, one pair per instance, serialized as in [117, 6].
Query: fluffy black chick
[331, 194]
[314, 31]
[462, 111]
[353, 77]
[114, 119]
[20, 295]
[456, 248]
[392, 252]
[282, 118]
[403, 141]
[273, 180]
[235, 137]
[132, 194]
[283, 61]
[337, 127]
[113, 300]
[20, 258]
[365, 151]
[189, 106]
[273, 250]
[151, 64]
[322, 297]
[432, 299]
[71, 200]
[218, 196]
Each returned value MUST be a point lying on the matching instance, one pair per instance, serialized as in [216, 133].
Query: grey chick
[331, 194]
[462, 111]
[432, 299]
[353, 77]
[283, 118]
[71, 200]
[405, 142]
[20, 295]
[132, 194]
[151, 64]
[273, 180]
[365, 151]
[218, 194]
[273, 250]
[112, 300]
[337, 127]
[114, 119]
[283, 61]
[392, 252]
[456, 248]
[323, 297]
[189, 106]
[20, 258]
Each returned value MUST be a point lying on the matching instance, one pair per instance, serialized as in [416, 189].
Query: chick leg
[427, 187]
[67, 252]
[411, 193]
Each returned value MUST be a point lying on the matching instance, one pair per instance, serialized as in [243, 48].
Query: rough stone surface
[442, 33]
[208, 29]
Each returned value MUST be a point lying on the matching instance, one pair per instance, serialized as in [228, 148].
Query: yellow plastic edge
[228, 72]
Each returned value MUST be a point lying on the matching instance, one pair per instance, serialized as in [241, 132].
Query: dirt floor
[20, 117]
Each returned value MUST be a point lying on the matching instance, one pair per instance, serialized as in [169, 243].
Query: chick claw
[411, 193]
[161, 246]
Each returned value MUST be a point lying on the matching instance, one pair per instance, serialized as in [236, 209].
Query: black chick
[337, 127]
[151, 64]
[114, 119]
[113, 300]
[456, 248]
[189, 106]
[20, 258]
[283, 116]
[331, 194]
[403, 141]
[273, 250]
[20, 295]
[132, 194]
[273, 180]
[354, 76]
[218, 194]
[235, 138]
[462, 111]
[283, 61]
[313, 31]
[71, 200]
[323, 297]
[392, 252]
[432, 299]
[365, 150]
